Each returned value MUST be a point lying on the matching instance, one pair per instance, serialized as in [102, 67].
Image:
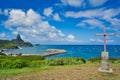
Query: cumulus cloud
[96, 3]
[70, 37]
[30, 23]
[74, 3]
[48, 11]
[31, 26]
[20, 18]
[56, 17]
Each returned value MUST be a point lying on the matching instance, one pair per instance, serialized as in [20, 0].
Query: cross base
[105, 63]
[108, 70]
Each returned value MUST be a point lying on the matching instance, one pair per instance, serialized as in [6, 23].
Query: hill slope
[14, 43]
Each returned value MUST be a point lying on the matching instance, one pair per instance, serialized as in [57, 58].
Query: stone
[105, 63]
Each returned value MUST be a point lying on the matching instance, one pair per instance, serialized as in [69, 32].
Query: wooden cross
[104, 37]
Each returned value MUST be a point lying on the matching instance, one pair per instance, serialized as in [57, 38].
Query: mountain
[14, 43]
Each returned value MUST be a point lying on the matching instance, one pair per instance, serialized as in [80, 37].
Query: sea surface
[84, 51]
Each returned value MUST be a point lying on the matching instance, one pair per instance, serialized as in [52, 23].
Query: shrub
[93, 60]
[112, 60]
[9, 64]
[2, 54]
[65, 61]
[71, 61]
[37, 63]
[54, 62]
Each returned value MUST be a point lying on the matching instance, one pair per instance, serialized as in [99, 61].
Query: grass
[60, 69]
[15, 72]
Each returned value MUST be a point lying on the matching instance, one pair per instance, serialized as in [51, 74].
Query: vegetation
[11, 62]
[6, 44]
[98, 60]
[2, 53]
[14, 43]
[10, 65]
[65, 61]
[94, 60]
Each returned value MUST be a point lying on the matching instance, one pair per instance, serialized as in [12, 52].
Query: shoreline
[48, 52]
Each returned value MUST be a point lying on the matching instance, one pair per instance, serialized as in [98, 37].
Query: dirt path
[76, 72]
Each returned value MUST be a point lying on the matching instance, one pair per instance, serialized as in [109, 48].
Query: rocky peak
[18, 37]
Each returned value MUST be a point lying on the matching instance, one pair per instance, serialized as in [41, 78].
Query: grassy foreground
[39, 68]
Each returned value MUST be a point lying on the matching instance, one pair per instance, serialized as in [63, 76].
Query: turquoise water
[85, 51]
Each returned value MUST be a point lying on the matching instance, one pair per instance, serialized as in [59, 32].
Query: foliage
[65, 61]
[7, 44]
[10, 62]
[2, 54]
[93, 60]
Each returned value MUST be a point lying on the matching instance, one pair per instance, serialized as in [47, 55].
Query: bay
[84, 51]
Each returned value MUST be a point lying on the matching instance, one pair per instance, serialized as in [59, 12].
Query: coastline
[48, 52]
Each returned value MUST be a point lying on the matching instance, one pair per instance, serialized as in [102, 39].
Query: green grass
[15, 72]
[10, 66]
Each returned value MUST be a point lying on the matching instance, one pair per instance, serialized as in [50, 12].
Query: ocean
[84, 51]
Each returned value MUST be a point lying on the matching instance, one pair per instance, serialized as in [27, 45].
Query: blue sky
[60, 21]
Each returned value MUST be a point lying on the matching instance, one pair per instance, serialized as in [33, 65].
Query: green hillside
[14, 43]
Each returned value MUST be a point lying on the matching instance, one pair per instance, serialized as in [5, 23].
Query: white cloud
[31, 26]
[96, 17]
[93, 13]
[70, 37]
[96, 3]
[87, 13]
[6, 12]
[2, 35]
[92, 40]
[48, 11]
[56, 17]
[100, 40]
[91, 22]
[20, 18]
[74, 3]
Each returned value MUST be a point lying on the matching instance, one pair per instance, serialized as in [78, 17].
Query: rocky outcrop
[19, 42]
[50, 52]
[14, 43]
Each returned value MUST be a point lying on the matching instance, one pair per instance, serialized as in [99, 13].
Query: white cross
[104, 37]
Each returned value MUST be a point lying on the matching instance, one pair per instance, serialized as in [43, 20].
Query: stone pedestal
[105, 63]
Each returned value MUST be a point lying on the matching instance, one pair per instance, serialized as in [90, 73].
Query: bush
[65, 61]
[32, 58]
[93, 60]
[54, 62]
[112, 60]
[9, 64]
[2, 54]
[71, 61]
[37, 63]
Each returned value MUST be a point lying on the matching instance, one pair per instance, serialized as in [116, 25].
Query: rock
[50, 52]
